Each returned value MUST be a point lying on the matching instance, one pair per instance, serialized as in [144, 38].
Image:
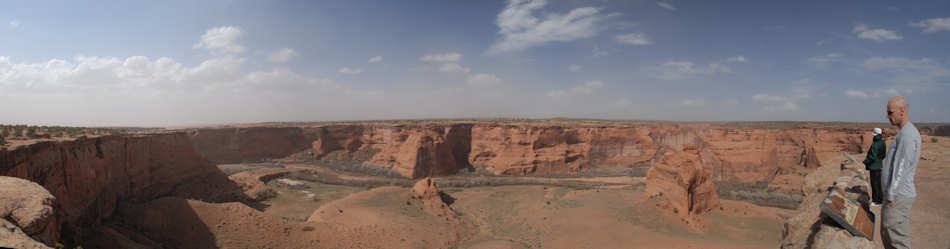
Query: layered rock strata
[88, 177]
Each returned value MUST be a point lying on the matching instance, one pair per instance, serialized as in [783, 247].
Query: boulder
[27, 211]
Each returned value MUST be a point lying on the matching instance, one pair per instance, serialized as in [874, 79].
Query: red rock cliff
[251, 144]
[89, 176]
[730, 153]
[413, 151]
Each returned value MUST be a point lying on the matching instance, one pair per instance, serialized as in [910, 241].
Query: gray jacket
[897, 176]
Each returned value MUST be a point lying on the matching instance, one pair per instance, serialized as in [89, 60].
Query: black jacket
[875, 158]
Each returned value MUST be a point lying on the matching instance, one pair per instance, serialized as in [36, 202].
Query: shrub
[933, 140]
[676, 211]
[30, 132]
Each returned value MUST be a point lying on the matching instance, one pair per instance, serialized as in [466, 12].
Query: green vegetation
[61, 246]
[24, 132]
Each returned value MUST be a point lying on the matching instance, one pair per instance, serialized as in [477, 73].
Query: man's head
[876, 131]
[897, 111]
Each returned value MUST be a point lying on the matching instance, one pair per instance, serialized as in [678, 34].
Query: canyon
[126, 191]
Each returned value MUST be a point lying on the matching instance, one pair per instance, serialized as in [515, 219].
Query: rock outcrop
[89, 177]
[432, 198]
[27, 219]
[808, 228]
[681, 185]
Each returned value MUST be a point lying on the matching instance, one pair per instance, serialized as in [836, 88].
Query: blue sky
[210, 62]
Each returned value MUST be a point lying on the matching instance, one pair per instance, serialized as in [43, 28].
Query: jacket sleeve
[905, 163]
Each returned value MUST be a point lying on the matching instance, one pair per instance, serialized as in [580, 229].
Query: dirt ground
[534, 216]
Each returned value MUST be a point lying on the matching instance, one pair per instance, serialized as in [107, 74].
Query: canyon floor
[564, 212]
[541, 212]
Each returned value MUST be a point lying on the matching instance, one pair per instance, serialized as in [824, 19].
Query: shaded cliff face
[412, 151]
[234, 145]
[89, 176]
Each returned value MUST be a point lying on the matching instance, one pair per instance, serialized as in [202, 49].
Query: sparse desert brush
[933, 140]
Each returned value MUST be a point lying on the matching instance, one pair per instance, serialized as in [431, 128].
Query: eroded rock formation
[432, 198]
[681, 184]
[89, 177]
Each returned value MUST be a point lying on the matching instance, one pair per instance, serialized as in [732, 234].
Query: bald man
[898, 177]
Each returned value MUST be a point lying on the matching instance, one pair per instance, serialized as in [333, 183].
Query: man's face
[894, 114]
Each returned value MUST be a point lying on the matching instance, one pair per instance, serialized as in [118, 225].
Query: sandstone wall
[730, 153]
[89, 177]
[251, 144]
[413, 151]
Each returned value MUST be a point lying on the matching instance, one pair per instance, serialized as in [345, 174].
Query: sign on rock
[848, 214]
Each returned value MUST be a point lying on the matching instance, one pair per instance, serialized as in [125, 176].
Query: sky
[173, 63]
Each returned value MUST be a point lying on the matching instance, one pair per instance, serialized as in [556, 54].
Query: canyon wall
[88, 177]
[731, 153]
[249, 144]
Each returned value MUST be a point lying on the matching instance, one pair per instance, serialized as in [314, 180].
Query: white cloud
[586, 88]
[14, 24]
[678, 70]
[633, 39]
[623, 102]
[347, 70]
[453, 68]
[282, 55]
[446, 57]
[933, 25]
[736, 59]
[376, 59]
[484, 80]
[856, 94]
[666, 5]
[875, 34]
[216, 90]
[222, 40]
[875, 93]
[908, 71]
[575, 68]
[824, 60]
[695, 102]
[776, 103]
[520, 29]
